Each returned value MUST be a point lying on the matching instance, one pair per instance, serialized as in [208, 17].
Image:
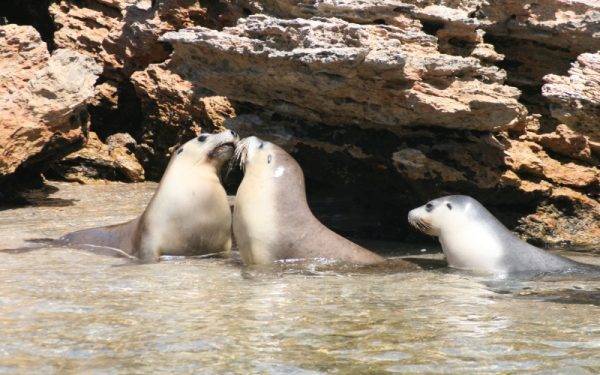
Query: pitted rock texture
[97, 161]
[575, 99]
[173, 113]
[335, 72]
[567, 24]
[535, 38]
[42, 99]
[122, 36]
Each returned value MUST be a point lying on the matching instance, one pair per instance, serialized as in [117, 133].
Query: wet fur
[281, 200]
[516, 255]
[165, 229]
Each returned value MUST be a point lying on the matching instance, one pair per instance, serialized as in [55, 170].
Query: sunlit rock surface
[335, 72]
[575, 99]
[42, 99]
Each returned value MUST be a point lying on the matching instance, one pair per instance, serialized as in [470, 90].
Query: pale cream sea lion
[188, 215]
[473, 239]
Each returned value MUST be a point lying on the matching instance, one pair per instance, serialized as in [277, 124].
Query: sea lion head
[445, 212]
[214, 149]
[259, 156]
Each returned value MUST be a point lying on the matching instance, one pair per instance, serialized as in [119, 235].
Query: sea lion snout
[417, 218]
[246, 149]
[223, 144]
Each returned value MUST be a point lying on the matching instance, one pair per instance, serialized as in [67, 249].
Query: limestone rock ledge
[528, 39]
[370, 75]
[42, 100]
[575, 99]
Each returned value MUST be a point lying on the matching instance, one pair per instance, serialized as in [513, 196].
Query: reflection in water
[69, 311]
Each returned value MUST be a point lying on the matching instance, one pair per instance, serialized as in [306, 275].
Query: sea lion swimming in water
[188, 215]
[272, 220]
[473, 239]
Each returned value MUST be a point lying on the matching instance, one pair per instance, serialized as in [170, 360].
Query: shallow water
[64, 310]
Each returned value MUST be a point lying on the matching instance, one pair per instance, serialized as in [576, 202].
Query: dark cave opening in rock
[30, 12]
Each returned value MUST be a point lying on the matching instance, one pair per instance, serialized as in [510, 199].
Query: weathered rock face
[30, 12]
[540, 38]
[174, 112]
[118, 34]
[97, 161]
[42, 99]
[575, 100]
[122, 35]
[371, 75]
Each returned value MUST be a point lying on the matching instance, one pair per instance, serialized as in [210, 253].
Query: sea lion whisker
[241, 153]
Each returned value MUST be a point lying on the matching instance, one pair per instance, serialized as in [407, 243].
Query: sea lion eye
[202, 138]
[261, 145]
[449, 206]
[428, 207]
[269, 158]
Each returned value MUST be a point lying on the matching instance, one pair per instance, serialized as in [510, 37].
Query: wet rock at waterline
[42, 100]
[96, 161]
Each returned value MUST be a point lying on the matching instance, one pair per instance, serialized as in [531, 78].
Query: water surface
[64, 310]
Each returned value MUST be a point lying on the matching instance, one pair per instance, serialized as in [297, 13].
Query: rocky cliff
[385, 103]
[42, 102]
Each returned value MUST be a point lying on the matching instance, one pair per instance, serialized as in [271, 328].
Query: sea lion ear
[449, 206]
[202, 138]
[269, 158]
[180, 150]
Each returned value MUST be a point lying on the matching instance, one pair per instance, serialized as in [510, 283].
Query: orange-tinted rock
[97, 161]
[42, 100]
[566, 142]
[335, 72]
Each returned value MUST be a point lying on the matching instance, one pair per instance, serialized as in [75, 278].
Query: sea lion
[272, 220]
[188, 215]
[473, 239]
